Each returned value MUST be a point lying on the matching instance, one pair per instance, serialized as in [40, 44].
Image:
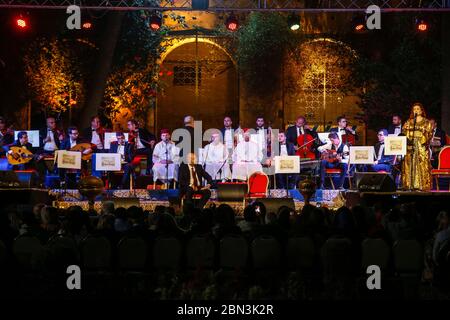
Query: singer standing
[416, 167]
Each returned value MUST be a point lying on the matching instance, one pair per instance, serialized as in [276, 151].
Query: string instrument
[269, 140]
[348, 139]
[20, 155]
[305, 145]
[332, 155]
[81, 147]
[132, 139]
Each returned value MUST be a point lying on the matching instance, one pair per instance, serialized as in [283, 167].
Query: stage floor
[149, 199]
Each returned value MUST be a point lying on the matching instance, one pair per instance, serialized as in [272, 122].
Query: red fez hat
[165, 131]
[246, 130]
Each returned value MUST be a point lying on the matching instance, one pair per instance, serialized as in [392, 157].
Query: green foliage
[262, 45]
[408, 72]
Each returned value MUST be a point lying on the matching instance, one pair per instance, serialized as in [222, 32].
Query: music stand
[287, 165]
[107, 162]
[70, 160]
[395, 146]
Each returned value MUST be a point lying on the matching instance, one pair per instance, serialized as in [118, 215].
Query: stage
[149, 199]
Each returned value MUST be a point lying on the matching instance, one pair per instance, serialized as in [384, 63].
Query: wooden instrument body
[332, 156]
[19, 155]
[305, 145]
[81, 147]
[348, 139]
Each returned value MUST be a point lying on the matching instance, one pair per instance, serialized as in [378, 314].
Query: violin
[305, 145]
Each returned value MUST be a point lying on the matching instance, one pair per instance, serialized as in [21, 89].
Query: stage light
[294, 22]
[21, 22]
[232, 23]
[421, 25]
[155, 22]
[359, 23]
[87, 25]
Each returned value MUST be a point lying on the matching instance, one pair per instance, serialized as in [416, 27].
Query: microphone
[415, 115]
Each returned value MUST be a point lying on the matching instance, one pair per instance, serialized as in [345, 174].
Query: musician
[343, 129]
[72, 140]
[438, 140]
[126, 153]
[165, 159]
[416, 165]
[50, 137]
[190, 178]
[301, 128]
[6, 136]
[35, 164]
[395, 128]
[70, 176]
[335, 155]
[382, 162]
[215, 155]
[265, 137]
[95, 134]
[143, 141]
[189, 123]
[286, 148]
[228, 133]
[247, 158]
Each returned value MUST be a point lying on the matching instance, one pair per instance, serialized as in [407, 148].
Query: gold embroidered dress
[416, 167]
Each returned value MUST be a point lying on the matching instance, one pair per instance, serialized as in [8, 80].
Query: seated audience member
[224, 222]
[442, 238]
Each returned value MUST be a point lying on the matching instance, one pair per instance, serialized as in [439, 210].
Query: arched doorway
[199, 79]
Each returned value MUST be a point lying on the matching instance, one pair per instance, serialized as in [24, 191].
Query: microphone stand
[167, 169]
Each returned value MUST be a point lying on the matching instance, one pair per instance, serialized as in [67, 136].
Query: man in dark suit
[50, 137]
[228, 133]
[396, 126]
[72, 139]
[35, 164]
[6, 136]
[69, 176]
[382, 162]
[301, 127]
[95, 134]
[190, 177]
[126, 152]
[285, 148]
[346, 134]
[438, 140]
[143, 140]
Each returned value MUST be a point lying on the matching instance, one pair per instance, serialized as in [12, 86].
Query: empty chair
[28, 251]
[408, 256]
[375, 252]
[266, 252]
[200, 252]
[96, 253]
[233, 252]
[167, 253]
[301, 253]
[63, 249]
[132, 253]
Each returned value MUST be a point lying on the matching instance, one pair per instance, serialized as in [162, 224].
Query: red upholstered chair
[331, 172]
[137, 162]
[443, 166]
[258, 184]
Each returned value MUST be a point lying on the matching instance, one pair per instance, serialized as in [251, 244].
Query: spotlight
[87, 25]
[232, 23]
[421, 25]
[155, 22]
[21, 22]
[359, 23]
[294, 22]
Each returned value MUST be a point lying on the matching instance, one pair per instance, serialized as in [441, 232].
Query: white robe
[159, 155]
[247, 160]
[214, 156]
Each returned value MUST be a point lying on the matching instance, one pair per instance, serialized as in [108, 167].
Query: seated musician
[36, 162]
[70, 176]
[300, 128]
[126, 153]
[144, 141]
[345, 132]
[382, 162]
[165, 159]
[95, 134]
[50, 137]
[190, 178]
[334, 155]
[285, 149]
[438, 141]
[247, 158]
[215, 156]
[6, 136]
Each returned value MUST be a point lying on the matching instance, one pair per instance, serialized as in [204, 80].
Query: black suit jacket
[291, 135]
[86, 136]
[289, 147]
[29, 146]
[391, 129]
[65, 144]
[222, 131]
[43, 135]
[184, 176]
[144, 134]
[441, 134]
[384, 159]
[128, 154]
